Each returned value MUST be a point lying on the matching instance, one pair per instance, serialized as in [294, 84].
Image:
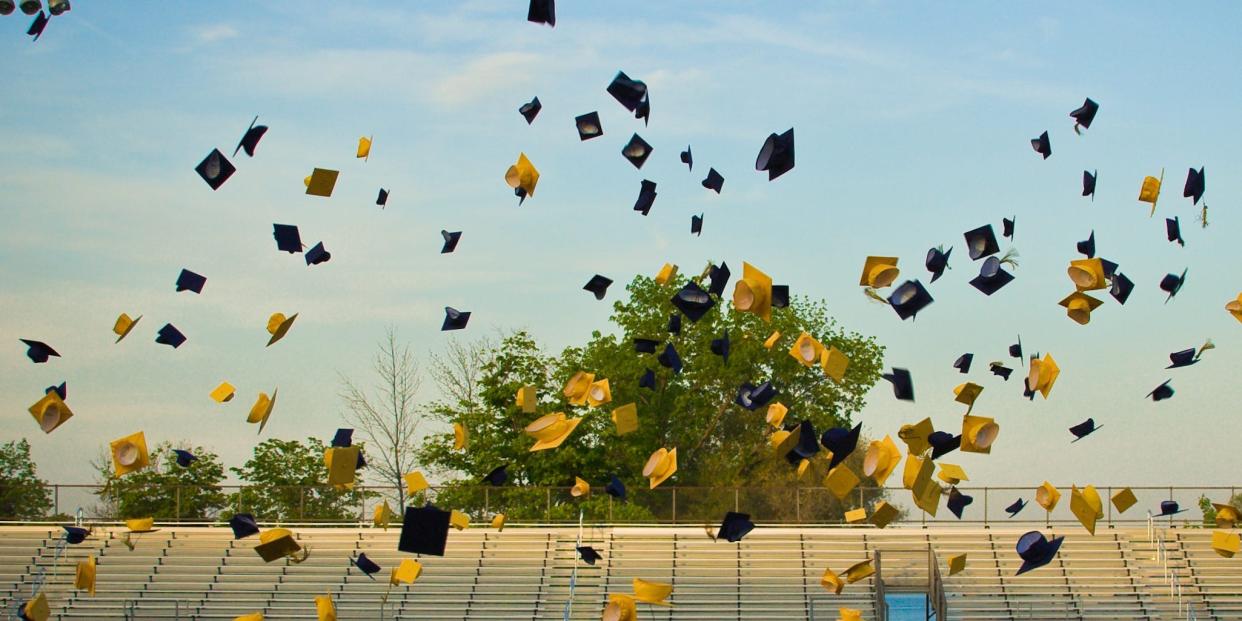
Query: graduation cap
[38, 351]
[287, 238]
[542, 12]
[75, 534]
[1172, 283]
[1007, 225]
[696, 225]
[530, 110]
[1086, 247]
[1015, 508]
[1088, 183]
[1173, 231]
[648, 380]
[424, 530]
[943, 443]
[636, 151]
[1001, 370]
[522, 176]
[1078, 306]
[1183, 358]
[382, 199]
[807, 444]
[1036, 551]
[981, 242]
[661, 465]
[693, 301]
[243, 525]
[720, 346]
[713, 181]
[646, 197]
[1041, 145]
[734, 527]
[598, 285]
[365, 565]
[753, 397]
[1083, 429]
[1121, 288]
[687, 158]
[1195, 185]
[645, 346]
[322, 181]
[962, 363]
[1169, 507]
[250, 140]
[62, 391]
[215, 169]
[777, 154]
[454, 319]
[629, 93]
[992, 277]
[344, 438]
[189, 281]
[841, 442]
[674, 323]
[184, 457]
[589, 126]
[1084, 114]
[903, 384]
[909, 298]
[669, 358]
[318, 254]
[588, 554]
[1162, 392]
[958, 501]
[497, 476]
[719, 276]
[937, 261]
[615, 488]
[170, 335]
[278, 326]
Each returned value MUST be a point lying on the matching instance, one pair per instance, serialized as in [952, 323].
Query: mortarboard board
[661, 465]
[243, 525]
[713, 181]
[1036, 551]
[364, 149]
[262, 409]
[962, 364]
[382, 199]
[1162, 392]
[615, 488]
[1183, 358]
[589, 126]
[805, 445]
[777, 154]
[780, 296]
[588, 554]
[497, 476]
[344, 438]
[250, 140]
[454, 319]
[841, 442]
[958, 502]
[215, 169]
[636, 151]
[1001, 370]
[598, 285]
[903, 384]
[415, 482]
[424, 530]
[696, 225]
[36, 27]
[1041, 145]
[646, 346]
[549, 431]
[542, 12]
[322, 181]
[981, 242]
[287, 238]
[1084, 114]
[1088, 183]
[84, 575]
[278, 326]
[1123, 500]
[124, 324]
[1015, 350]
[1195, 184]
[62, 391]
[719, 279]
[1172, 283]
[629, 93]
[879, 272]
[909, 298]
[170, 335]
[1225, 543]
[992, 277]
[35, 609]
[1007, 226]
[1015, 508]
[1078, 306]
[937, 261]
[648, 380]
[753, 293]
[530, 110]
[734, 526]
[189, 281]
[318, 254]
[75, 534]
[687, 158]
[720, 346]
[1086, 247]
[625, 417]
[522, 177]
[693, 301]
[222, 393]
[184, 457]
[670, 359]
[754, 397]
[943, 443]
[1086, 505]
[646, 197]
[1083, 429]
[38, 351]
[1173, 231]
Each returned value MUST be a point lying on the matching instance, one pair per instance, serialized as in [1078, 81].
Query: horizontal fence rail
[188, 504]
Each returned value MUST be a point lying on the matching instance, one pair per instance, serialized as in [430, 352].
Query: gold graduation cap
[1227, 516]
[37, 608]
[879, 272]
[459, 520]
[1087, 274]
[915, 436]
[1149, 192]
[1043, 375]
[123, 326]
[223, 393]
[834, 362]
[806, 350]
[324, 608]
[254, 616]
[341, 464]
[1078, 306]
[84, 575]
[957, 563]
[598, 393]
[859, 571]
[415, 482]
[881, 459]
[978, 434]
[952, 474]
[776, 334]
[129, 454]
[580, 488]
[804, 466]
[660, 466]
[278, 325]
[527, 399]
[1226, 543]
[1047, 496]
[1086, 505]
[841, 481]
[666, 274]
[652, 592]
[884, 514]
[551, 430]
[364, 148]
[498, 521]
[753, 293]
[856, 516]
[140, 525]
[1234, 307]
[776, 414]
[625, 417]
[321, 182]
[927, 493]
[1123, 500]
[577, 387]
[621, 607]
[966, 394]
[522, 176]
[262, 409]
[406, 573]
[849, 614]
[461, 439]
[50, 412]
[384, 516]
[832, 581]
[277, 543]
[917, 469]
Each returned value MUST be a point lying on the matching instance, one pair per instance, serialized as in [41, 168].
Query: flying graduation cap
[1007, 227]
[1121, 288]
[454, 319]
[646, 197]
[903, 384]
[36, 27]
[1173, 231]
[38, 351]
[720, 346]
[687, 158]
[424, 530]
[1162, 392]
[1086, 247]
[170, 335]
[184, 458]
[250, 140]
[598, 285]
[1015, 508]
[1088, 183]
[753, 397]
[1171, 284]
[1084, 115]
[243, 525]
[215, 169]
[734, 526]
[992, 277]
[450, 240]
[542, 12]
[937, 261]
[777, 154]
[1196, 183]
[615, 488]
[909, 298]
[714, 181]
[670, 358]
[841, 442]
[530, 110]
[318, 254]
[382, 199]
[287, 238]
[981, 242]
[632, 94]
[696, 225]
[1041, 145]
[1083, 429]
[1183, 358]
[636, 151]
[189, 281]
[365, 565]
[497, 476]
[589, 126]
[693, 301]
[588, 554]
[962, 364]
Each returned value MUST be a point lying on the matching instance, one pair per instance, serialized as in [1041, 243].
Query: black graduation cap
[450, 240]
[497, 476]
[365, 565]
[598, 285]
[958, 501]
[250, 140]
[287, 238]
[943, 443]
[189, 281]
[243, 525]
[588, 554]
[454, 319]
[807, 445]
[903, 384]
[1083, 429]
[1162, 392]
[1007, 226]
[1109, 267]
[615, 488]
[937, 261]
[646, 346]
[1041, 145]
[1015, 350]
[317, 254]
[344, 438]
[630, 93]
[981, 242]
[382, 199]
[1121, 288]
[992, 277]
[1017, 506]
[780, 296]
[963, 361]
[910, 298]
[720, 346]
[841, 442]
[362, 460]
[184, 458]
[1084, 114]
[215, 169]
[753, 397]
[674, 323]
[734, 527]
[1171, 284]
[1173, 230]
[648, 380]
[1088, 184]
[669, 358]
[36, 27]
[530, 110]
[646, 197]
[542, 12]
[693, 301]
[713, 181]
[636, 151]
[38, 351]
[61, 391]
[777, 154]
[1086, 247]
[1183, 358]
[719, 276]
[589, 126]
[687, 158]
[75, 534]
[424, 530]
[1001, 370]
[1196, 183]
[696, 225]
[170, 335]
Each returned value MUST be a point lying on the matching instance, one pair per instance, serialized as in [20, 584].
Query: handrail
[935, 586]
[881, 603]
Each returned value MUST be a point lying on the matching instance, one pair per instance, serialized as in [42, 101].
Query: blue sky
[912, 123]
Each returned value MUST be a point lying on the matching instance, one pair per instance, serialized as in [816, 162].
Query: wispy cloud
[213, 33]
[493, 73]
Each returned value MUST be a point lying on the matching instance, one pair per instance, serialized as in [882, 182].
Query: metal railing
[935, 587]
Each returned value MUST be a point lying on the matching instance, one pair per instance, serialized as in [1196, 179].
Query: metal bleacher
[525, 573]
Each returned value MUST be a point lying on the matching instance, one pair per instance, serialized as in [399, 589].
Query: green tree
[719, 444]
[286, 480]
[165, 490]
[23, 495]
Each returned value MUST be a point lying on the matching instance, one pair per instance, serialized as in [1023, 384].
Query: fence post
[240, 489]
[56, 499]
[487, 500]
[548, 509]
[1109, 490]
[798, 504]
[985, 507]
[610, 508]
[301, 503]
[736, 506]
[1170, 498]
[674, 505]
[177, 504]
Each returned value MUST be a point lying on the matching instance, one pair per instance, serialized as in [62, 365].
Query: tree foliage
[286, 481]
[165, 490]
[23, 495]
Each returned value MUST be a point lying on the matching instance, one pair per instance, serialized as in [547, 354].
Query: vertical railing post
[56, 499]
[674, 505]
[610, 508]
[985, 507]
[548, 506]
[798, 504]
[487, 500]
[736, 506]
[177, 502]
[301, 503]
[1109, 491]
[1170, 515]
[240, 489]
